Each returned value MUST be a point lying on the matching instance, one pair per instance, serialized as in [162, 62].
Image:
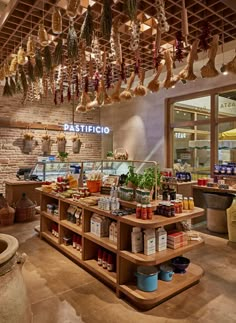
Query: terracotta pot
[14, 304]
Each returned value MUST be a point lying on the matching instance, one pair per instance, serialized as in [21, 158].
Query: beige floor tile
[62, 292]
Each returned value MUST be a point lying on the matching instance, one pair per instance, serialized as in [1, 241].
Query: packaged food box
[177, 237]
[176, 245]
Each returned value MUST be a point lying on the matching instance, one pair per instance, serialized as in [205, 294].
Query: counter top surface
[215, 189]
[21, 182]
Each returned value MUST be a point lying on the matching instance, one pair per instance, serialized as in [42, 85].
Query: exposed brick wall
[45, 112]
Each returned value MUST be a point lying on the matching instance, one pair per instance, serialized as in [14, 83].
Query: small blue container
[147, 278]
[166, 273]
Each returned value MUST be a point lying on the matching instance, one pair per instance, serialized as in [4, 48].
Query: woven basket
[25, 209]
[7, 215]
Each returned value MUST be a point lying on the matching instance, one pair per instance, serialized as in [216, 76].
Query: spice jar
[144, 212]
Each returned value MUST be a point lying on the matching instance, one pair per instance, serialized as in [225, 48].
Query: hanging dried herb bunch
[87, 27]
[47, 58]
[13, 65]
[30, 48]
[23, 80]
[56, 21]
[130, 8]
[18, 83]
[30, 70]
[38, 69]
[72, 8]
[179, 54]
[72, 42]
[12, 85]
[58, 53]
[7, 89]
[106, 19]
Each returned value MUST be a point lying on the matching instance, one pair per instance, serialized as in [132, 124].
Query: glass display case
[50, 170]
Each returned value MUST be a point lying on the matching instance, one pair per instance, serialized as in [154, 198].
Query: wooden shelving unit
[123, 278]
[165, 289]
[72, 226]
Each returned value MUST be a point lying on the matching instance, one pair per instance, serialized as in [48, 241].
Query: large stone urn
[14, 303]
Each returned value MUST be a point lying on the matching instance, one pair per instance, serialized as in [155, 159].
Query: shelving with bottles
[122, 276]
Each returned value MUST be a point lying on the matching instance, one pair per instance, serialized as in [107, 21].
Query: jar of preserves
[185, 203]
[149, 212]
[190, 203]
[144, 212]
[138, 211]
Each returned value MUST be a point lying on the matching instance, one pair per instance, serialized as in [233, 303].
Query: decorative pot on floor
[14, 303]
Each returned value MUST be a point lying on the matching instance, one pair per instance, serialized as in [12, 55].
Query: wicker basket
[7, 215]
[25, 209]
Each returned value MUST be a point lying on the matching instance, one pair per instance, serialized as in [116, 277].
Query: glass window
[227, 104]
[227, 142]
[202, 104]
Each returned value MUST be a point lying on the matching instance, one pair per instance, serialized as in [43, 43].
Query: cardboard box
[177, 237]
[161, 239]
[176, 245]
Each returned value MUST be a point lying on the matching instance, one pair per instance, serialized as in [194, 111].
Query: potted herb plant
[132, 179]
[149, 179]
[110, 155]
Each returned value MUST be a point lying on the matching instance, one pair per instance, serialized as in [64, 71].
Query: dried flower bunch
[28, 135]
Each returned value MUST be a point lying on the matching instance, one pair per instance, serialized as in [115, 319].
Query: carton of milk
[161, 239]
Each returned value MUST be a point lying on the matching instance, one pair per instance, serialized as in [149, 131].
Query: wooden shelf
[159, 220]
[50, 216]
[127, 261]
[72, 226]
[165, 289]
[50, 237]
[108, 276]
[75, 254]
[159, 257]
[103, 242]
[214, 189]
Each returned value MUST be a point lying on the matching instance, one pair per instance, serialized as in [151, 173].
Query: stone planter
[14, 304]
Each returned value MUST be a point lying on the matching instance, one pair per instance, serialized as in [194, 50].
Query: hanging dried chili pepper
[204, 36]
[123, 71]
[68, 93]
[179, 55]
[96, 81]
[55, 97]
[86, 84]
[136, 66]
[108, 76]
[77, 85]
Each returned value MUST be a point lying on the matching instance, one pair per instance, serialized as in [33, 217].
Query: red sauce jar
[144, 212]
[104, 260]
[110, 263]
[138, 211]
[149, 212]
[100, 257]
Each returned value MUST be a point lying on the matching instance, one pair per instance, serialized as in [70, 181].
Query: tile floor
[62, 292]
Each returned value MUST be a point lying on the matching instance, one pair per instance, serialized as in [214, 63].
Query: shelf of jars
[87, 234]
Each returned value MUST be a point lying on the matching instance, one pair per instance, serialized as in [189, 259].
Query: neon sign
[86, 128]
